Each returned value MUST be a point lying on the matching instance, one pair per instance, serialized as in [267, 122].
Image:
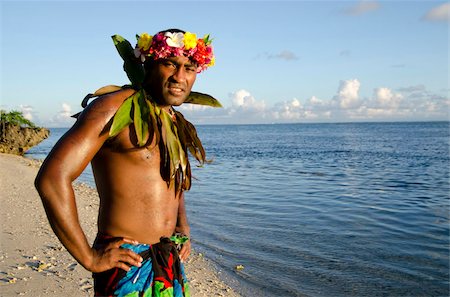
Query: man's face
[170, 80]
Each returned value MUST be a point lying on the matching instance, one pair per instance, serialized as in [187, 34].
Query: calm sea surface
[322, 209]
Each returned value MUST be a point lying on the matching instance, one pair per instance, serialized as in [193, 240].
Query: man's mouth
[175, 90]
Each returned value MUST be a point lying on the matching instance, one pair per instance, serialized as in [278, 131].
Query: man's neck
[167, 108]
[169, 111]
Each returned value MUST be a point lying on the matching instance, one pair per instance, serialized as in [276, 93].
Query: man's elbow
[46, 182]
[40, 183]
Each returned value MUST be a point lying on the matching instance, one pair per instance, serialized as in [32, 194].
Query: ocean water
[354, 209]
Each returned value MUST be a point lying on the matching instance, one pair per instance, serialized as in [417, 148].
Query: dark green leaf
[141, 118]
[123, 46]
[171, 140]
[202, 99]
[132, 65]
[122, 118]
[153, 123]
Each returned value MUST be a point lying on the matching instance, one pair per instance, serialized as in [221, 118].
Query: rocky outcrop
[16, 140]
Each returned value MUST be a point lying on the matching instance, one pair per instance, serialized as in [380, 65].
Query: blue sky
[276, 61]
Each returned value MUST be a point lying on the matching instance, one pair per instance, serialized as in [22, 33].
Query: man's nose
[179, 74]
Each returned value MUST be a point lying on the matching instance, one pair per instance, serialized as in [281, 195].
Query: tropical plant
[15, 117]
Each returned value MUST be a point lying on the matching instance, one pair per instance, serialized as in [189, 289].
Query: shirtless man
[137, 206]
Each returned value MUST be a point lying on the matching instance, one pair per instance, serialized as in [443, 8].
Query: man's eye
[191, 68]
[169, 64]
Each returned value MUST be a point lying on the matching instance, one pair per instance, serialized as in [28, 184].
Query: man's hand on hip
[112, 255]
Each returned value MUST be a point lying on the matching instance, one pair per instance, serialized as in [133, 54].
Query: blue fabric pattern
[137, 278]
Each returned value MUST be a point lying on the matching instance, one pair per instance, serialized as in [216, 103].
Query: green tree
[14, 117]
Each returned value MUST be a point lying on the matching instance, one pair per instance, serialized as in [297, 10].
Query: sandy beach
[32, 260]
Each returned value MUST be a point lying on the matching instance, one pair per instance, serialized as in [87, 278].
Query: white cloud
[243, 108]
[313, 109]
[363, 7]
[66, 110]
[348, 96]
[27, 111]
[409, 103]
[63, 117]
[290, 110]
[295, 103]
[238, 98]
[294, 111]
[439, 13]
[242, 99]
[314, 101]
[386, 98]
[192, 107]
[406, 103]
[370, 113]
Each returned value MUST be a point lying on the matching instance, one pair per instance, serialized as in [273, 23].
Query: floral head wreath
[174, 44]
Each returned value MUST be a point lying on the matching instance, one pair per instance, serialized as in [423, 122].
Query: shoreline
[32, 260]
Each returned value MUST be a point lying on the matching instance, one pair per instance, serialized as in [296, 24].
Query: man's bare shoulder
[106, 105]
[96, 118]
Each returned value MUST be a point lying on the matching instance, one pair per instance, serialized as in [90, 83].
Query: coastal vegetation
[18, 134]
[14, 117]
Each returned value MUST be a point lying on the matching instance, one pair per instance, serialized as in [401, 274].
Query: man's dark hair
[173, 30]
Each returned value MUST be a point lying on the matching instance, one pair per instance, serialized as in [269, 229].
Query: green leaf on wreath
[172, 142]
[153, 122]
[202, 99]
[132, 65]
[122, 118]
[141, 114]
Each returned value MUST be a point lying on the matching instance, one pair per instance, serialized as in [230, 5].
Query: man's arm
[64, 164]
[183, 227]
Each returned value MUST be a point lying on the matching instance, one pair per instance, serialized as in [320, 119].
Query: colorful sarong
[161, 274]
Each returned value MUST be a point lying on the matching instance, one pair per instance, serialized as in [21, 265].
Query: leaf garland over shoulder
[175, 136]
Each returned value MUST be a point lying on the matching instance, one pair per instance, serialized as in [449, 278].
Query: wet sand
[32, 260]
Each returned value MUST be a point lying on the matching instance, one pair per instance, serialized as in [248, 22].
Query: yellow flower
[190, 40]
[213, 61]
[145, 41]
